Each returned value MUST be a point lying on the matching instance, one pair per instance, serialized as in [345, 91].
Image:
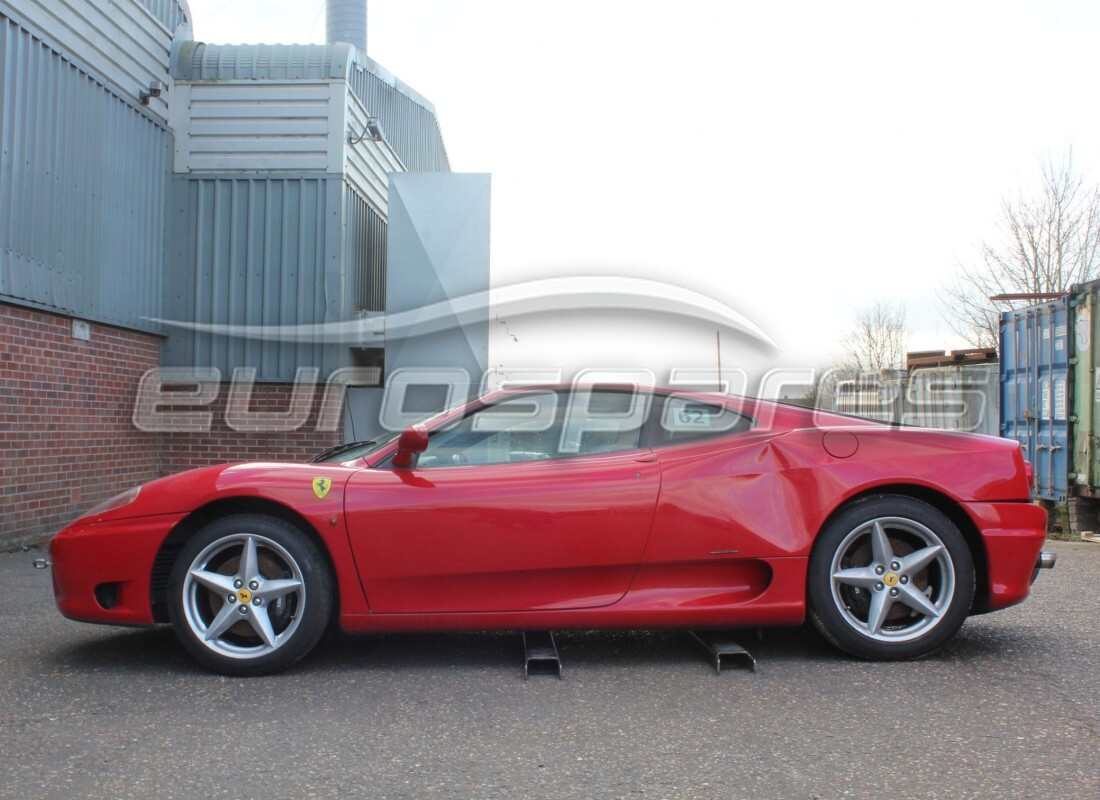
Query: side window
[685, 419]
[540, 426]
[604, 421]
[524, 428]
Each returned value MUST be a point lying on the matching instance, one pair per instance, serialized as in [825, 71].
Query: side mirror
[413, 441]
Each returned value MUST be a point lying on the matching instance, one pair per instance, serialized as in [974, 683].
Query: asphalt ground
[1010, 709]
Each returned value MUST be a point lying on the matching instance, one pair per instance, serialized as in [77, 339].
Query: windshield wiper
[333, 451]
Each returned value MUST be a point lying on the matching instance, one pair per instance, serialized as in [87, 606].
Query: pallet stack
[941, 358]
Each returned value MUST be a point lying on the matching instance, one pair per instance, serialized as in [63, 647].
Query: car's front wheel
[891, 578]
[249, 595]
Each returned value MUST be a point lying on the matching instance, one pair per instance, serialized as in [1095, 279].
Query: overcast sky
[796, 160]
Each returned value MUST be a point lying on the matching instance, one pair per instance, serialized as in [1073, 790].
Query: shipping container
[1084, 468]
[1035, 389]
[873, 396]
[959, 397]
[964, 397]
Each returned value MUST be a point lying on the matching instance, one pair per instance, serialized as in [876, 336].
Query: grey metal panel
[365, 250]
[198, 61]
[439, 235]
[122, 42]
[169, 13]
[873, 397]
[957, 398]
[261, 251]
[82, 177]
[961, 398]
[367, 164]
[408, 121]
[261, 127]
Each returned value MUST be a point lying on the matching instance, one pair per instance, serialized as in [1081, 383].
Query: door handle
[645, 459]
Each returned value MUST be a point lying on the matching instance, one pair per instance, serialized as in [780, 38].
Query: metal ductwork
[346, 21]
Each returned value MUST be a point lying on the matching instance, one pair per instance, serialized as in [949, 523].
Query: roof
[408, 118]
[198, 61]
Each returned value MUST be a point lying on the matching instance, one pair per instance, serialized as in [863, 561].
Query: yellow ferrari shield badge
[321, 487]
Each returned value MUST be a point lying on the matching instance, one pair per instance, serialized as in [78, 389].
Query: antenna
[718, 344]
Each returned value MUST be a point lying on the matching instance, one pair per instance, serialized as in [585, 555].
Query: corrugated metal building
[279, 202]
[247, 132]
[168, 194]
[83, 172]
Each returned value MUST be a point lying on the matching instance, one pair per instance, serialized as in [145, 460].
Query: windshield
[350, 451]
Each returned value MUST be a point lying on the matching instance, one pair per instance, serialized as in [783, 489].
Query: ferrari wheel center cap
[890, 579]
[244, 596]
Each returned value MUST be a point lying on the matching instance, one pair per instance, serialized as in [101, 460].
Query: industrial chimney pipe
[346, 21]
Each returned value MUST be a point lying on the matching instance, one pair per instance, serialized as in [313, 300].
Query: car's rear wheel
[891, 577]
[249, 595]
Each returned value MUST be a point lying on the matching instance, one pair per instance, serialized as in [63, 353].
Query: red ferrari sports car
[561, 508]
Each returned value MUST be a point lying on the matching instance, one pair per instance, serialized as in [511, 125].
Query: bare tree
[876, 340]
[822, 392]
[1049, 242]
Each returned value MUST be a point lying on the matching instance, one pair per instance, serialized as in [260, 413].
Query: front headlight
[118, 501]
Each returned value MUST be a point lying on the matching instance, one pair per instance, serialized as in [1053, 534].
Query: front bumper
[1013, 535]
[102, 570]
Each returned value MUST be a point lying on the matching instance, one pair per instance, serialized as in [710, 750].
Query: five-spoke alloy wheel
[249, 595]
[891, 577]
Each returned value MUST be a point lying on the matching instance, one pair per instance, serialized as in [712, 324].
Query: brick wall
[182, 451]
[66, 437]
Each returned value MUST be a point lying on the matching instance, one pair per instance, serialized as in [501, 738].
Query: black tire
[894, 608]
[266, 566]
